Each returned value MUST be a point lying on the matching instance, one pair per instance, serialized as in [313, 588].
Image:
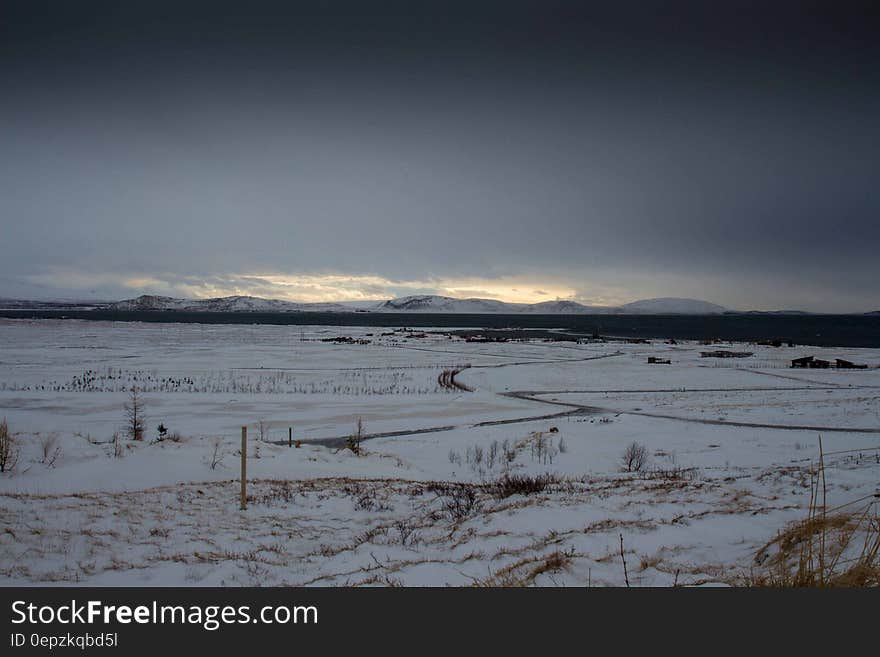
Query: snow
[730, 445]
[417, 303]
[222, 304]
[440, 304]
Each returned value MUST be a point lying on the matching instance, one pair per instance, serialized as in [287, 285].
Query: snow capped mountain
[671, 306]
[223, 304]
[438, 304]
[149, 302]
[257, 304]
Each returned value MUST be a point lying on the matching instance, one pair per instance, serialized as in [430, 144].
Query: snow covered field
[730, 444]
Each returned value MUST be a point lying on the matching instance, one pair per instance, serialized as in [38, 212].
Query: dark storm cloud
[648, 149]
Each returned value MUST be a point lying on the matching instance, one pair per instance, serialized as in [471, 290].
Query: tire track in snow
[530, 395]
[341, 441]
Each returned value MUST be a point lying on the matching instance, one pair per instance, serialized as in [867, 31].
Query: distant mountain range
[234, 304]
[410, 304]
[437, 304]
[60, 304]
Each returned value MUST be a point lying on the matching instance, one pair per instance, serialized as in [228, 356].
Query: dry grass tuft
[516, 484]
[525, 571]
[9, 449]
[824, 549]
[831, 551]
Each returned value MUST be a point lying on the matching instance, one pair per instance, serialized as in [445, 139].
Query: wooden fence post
[243, 468]
[290, 436]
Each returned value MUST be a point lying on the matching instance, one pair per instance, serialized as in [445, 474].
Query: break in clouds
[524, 152]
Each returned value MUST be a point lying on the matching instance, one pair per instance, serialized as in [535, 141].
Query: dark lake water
[819, 330]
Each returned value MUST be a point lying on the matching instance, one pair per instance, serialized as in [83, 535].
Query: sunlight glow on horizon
[309, 288]
[328, 287]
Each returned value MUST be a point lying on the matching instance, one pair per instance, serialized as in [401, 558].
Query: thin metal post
[243, 468]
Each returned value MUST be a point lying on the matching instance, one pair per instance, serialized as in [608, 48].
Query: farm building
[842, 364]
[811, 362]
[721, 353]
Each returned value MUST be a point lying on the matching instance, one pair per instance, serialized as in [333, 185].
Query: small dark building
[842, 364]
[653, 360]
[811, 362]
[721, 353]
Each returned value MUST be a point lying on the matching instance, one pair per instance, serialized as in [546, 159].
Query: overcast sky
[524, 151]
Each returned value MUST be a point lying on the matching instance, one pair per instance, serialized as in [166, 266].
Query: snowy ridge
[222, 304]
[408, 304]
[438, 304]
